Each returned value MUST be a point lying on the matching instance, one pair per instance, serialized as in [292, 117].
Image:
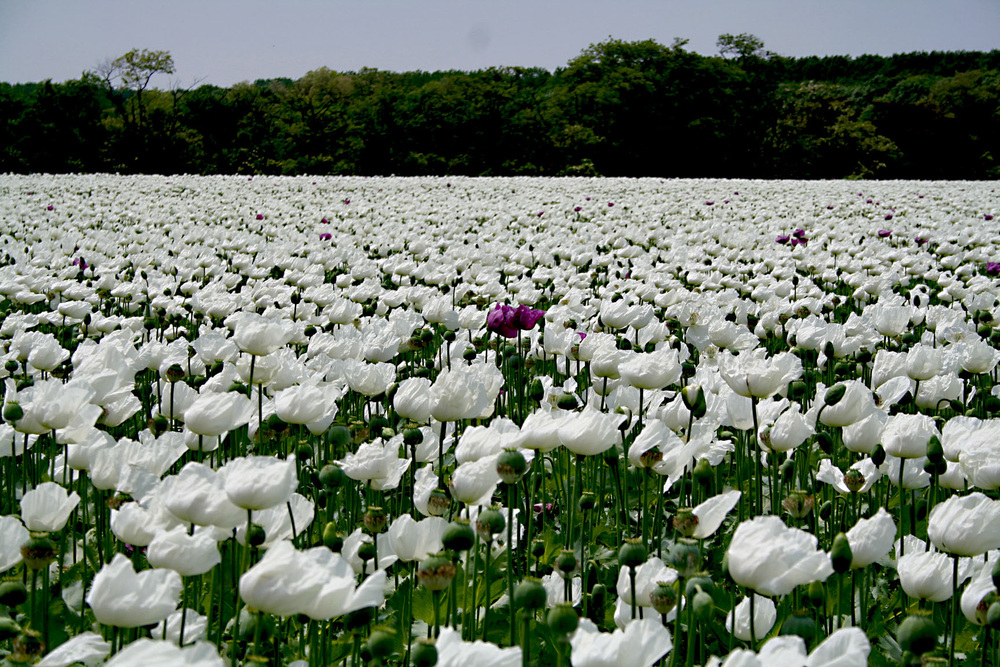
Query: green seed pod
[587, 502]
[685, 557]
[38, 552]
[530, 595]
[435, 572]
[511, 466]
[367, 551]
[8, 628]
[424, 654]
[340, 436]
[562, 619]
[12, 412]
[816, 594]
[374, 520]
[333, 540]
[412, 436]
[13, 594]
[993, 615]
[663, 597]
[800, 624]
[703, 605]
[304, 452]
[703, 472]
[632, 553]
[359, 619]
[331, 476]
[381, 644]
[834, 394]
[458, 536]
[566, 561]
[256, 535]
[536, 391]
[840, 554]
[917, 634]
[935, 452]
[566, 402]
[537, 547]
[490, 522]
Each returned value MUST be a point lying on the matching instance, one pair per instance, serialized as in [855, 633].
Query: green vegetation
[619, 108]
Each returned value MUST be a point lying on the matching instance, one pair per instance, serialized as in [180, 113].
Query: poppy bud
[840, 554]
[703, 472]
[993, 615]
[878, 455]
[538, 548]
[935, 452]
[694, 400]
[536, 391]
[816, 594]
[366, 552]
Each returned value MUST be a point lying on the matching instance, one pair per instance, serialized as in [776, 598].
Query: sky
[223, 42]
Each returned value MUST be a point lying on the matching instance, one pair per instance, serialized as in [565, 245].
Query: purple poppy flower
[347, 201]
[525, 317]
[501, 320]
[50, 207]
[611, 203]
[709, 203]
[783, 239]
[920, 240]
[884, 233]
[325, 236]
[260, 216]
[799, 241]
[987, 217]
[799, 233]
[325, 221]
[888, 216]
[992, 268]
[582, 335]
[578, 209]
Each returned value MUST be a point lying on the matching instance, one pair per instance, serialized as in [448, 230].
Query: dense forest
[618, 109]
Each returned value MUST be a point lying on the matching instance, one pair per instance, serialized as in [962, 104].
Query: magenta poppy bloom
[796, 240]
[501, 320]
[260, 216]
[884, 233]
[582, 335]
[709, 203]
[525, 317]
[325, 221]
[578, 209]
[993, 268]
[325, 236]
[987, 217]
[611, 203]
[347, 201]
[783, 239]
[920, 240]
[888, 216]
[799, 233]
[50, 207]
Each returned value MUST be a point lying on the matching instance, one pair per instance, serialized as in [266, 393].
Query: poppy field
[508, 421]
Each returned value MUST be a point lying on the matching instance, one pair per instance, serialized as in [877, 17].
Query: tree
[127, 77]
[743, 45]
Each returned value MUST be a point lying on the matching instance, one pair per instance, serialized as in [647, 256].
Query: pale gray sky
[226, 41]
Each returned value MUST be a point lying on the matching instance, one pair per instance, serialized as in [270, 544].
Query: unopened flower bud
[12, 412]
[694, 400]
[840, 554]
[703, 605]
[834, 394]
[333, 540]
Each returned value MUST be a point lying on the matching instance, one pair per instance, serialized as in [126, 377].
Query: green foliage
[619, 108]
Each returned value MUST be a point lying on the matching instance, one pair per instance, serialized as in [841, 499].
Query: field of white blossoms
[386, 421]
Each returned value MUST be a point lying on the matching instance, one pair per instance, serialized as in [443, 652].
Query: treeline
[619, 108]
